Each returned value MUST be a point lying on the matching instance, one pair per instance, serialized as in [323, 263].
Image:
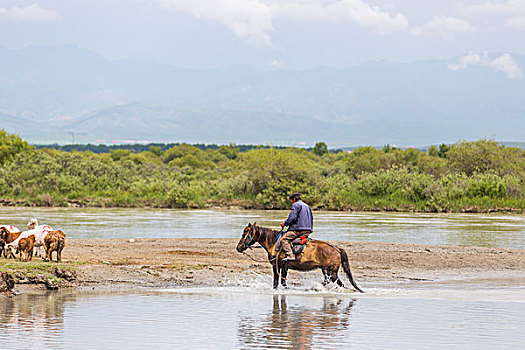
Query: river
[458, 314]
[254, 317]
[495, 230]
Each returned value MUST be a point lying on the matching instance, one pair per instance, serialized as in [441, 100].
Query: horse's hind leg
[335, 278]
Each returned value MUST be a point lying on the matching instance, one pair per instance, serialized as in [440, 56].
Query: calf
[54, 241]
[25, 247]
[7, 237]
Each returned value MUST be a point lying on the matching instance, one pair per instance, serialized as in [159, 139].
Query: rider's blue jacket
[300, 217]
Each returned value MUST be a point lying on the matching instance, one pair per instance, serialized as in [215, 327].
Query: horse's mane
[269, 233]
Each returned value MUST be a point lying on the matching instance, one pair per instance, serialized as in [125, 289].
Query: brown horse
[316, 255]
[7, 237]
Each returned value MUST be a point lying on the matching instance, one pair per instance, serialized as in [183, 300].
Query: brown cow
[7, 237]
[25, 247]
[54, 241]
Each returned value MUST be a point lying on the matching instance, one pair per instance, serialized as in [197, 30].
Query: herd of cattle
[13, 241]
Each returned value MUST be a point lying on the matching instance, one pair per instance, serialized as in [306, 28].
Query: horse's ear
[254, 224]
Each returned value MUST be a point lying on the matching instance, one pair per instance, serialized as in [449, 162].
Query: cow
[54, 241]
[25, 247]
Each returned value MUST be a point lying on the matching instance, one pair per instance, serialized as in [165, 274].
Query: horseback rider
[299, 222]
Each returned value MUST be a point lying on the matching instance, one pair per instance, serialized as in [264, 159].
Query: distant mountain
[52, 91]
[27, 128]
[215, 126]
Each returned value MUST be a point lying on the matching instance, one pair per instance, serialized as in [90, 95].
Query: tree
[231, 151]
[485, 156]
[320, 149]
[433, 151]
[443, 149]
[156, 150]
[10, 145]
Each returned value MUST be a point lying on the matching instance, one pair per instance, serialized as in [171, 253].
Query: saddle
[298, 244]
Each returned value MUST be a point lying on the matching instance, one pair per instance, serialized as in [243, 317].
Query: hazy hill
[50, 91]
[214, 126]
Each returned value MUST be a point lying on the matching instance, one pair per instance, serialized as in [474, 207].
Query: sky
[271, 34]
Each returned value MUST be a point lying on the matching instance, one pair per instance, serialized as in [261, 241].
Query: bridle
[252, 241]
[251, 236]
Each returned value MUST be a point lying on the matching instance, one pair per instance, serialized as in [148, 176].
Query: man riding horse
[299, 222]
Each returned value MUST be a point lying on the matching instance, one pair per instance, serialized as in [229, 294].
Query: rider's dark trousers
[288, 237]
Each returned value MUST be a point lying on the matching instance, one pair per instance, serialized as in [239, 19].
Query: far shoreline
[466, 210]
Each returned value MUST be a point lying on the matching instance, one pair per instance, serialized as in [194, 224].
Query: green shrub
[486, 185]
[10, 145]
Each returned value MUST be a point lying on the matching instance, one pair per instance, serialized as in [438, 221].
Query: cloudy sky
[292, 34]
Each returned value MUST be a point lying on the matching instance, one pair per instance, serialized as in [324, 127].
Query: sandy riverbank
[158, 262]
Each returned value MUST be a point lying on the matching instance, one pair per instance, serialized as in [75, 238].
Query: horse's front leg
[275, 275]
[284, 273]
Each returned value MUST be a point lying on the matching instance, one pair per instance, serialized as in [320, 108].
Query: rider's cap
[295, 195]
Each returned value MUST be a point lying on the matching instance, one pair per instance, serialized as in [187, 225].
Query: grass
[34, 268]
[350, 199]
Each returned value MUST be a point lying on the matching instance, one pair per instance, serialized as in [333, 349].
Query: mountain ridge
[56, 90]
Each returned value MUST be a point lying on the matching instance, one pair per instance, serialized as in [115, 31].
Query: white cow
[40, 233]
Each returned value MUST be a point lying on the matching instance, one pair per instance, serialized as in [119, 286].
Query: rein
[252, 237]
[259, 261]
[263, 261]
[279, 235]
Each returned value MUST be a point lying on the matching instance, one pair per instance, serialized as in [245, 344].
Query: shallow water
[505, 231]
[251, 316]
[247, 314]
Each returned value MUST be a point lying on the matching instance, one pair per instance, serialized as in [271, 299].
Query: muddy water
[253, 317]
[505, 231]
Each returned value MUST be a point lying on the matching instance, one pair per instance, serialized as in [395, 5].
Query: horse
[316, 255]
[7, 237]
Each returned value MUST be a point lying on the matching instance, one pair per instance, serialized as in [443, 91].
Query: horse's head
[248, 238]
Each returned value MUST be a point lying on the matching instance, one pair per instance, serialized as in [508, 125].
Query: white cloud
[275, 63]
[446, 26]
[504, 63]
[248, 19]
[252, 20]
[511, 12]
[356, 11]
[29, 13]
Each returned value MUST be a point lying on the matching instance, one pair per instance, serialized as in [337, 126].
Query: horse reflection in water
[33, 318]
[295, 327]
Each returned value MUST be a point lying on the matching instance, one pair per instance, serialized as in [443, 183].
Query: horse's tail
[346, 269]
